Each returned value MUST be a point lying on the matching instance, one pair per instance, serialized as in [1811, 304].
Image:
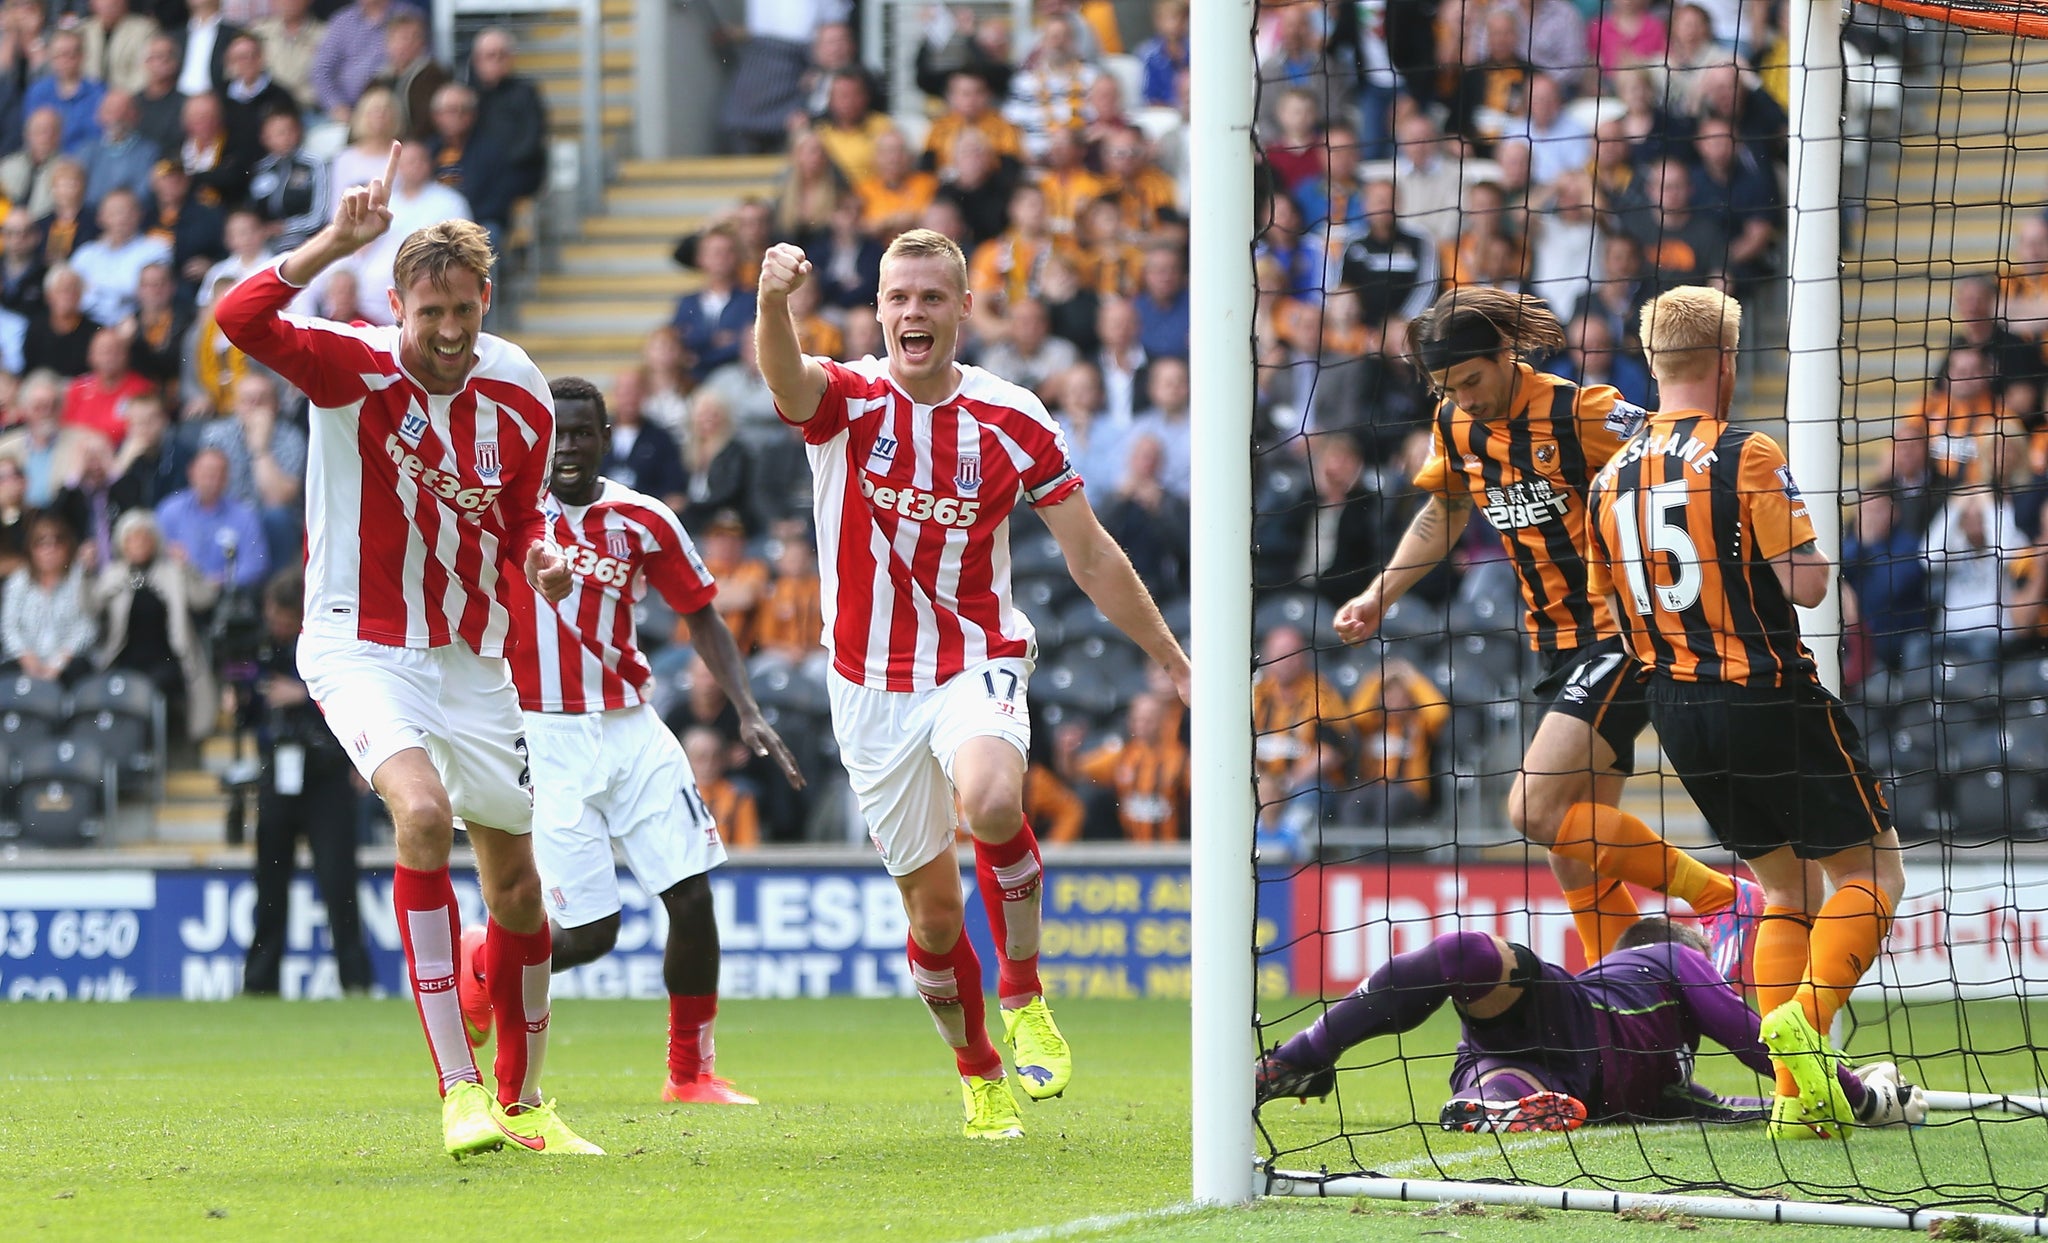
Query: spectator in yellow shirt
[969, 106]
[1067, 183]
[1005, 268]
[897, 193]
[1148, 770]
[851, 126]
[1289, 700]
[791, 619]
[1398, 717]
[732, 806]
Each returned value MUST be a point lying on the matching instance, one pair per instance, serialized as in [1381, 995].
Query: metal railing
[590, 73]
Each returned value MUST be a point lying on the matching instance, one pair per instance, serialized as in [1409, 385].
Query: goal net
[1593, 154]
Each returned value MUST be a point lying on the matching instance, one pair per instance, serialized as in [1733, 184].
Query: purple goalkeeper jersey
[1622, 1034]
[1651, 1006]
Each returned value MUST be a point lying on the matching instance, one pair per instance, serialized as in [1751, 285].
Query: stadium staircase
[611, 279]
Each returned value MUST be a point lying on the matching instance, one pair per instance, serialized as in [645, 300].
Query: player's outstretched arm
[1717, 1007]
[324, 362]
[797, 380]
[1101, 569]
[361, 216]
[713, 641]
[1424, 545]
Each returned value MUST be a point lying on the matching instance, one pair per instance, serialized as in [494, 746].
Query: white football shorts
[459, 706]
[898, 749]
[604, 777]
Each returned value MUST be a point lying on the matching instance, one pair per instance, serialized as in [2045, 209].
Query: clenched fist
[783, 269]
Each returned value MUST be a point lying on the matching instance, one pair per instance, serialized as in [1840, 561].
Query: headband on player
[1465, 338]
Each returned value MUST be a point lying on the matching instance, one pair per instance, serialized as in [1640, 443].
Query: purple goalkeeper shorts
[1550, 1036]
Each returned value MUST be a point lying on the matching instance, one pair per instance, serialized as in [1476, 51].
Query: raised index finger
[390, 177]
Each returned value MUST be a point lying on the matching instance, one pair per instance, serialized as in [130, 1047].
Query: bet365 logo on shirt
[918, 505]
[586, 562]
[439, 482]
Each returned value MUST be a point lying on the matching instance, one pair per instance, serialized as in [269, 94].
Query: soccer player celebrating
[1698, 531]
[918, 462]
[428, 454]
[605, 767]
[1544, 1050]
[1525, 444]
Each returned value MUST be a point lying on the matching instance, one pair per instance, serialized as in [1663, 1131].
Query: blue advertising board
[787, 931]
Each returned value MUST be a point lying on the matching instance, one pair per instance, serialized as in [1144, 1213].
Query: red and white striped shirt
[583, 654]
[419, 508]
[913, 508]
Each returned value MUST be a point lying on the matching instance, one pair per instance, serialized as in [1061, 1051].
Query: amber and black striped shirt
[1528, 474]
[1686, 520]
[1151, 784]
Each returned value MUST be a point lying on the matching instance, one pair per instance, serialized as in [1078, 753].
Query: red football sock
[516, 974]
[690, 1050]
[1009, 876]
[950, 984]
[429, 925]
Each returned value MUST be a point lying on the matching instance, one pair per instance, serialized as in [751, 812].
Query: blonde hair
[1686, 330]
[438, 251]
[929, 244]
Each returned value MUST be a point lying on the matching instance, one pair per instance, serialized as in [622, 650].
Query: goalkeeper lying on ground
[1545, 1050]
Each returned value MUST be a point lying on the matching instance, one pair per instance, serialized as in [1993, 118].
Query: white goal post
[1223, 300]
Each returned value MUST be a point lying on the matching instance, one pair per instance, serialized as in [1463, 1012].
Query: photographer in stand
[303, 788]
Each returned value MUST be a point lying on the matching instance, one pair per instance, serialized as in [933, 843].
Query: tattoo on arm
[1808, 548]
[1429, 522]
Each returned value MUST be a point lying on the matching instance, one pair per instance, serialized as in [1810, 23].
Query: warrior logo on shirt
[487, 460]
[882, 454]
[968, 476]
[414, 427]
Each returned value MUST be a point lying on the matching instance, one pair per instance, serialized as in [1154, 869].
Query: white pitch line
[1505, 1148]
[1092, 1225]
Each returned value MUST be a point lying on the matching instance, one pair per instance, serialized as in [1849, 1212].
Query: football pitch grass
[269, 1120]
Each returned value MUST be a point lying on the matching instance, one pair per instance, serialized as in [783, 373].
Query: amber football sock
[1846, 935]
[1779, 961]
[1601, 911]
[1618, 845]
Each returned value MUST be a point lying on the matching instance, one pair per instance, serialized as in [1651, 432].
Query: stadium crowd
[1593, 155]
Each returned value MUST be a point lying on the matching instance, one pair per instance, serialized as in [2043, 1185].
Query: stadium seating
[31, 710]
[1310, 614]
[1044, 597]
[65, 791]
[124, 715]
[1035, 553]
[1179, 616]
[789, 689]
[1413, 618]
[1064, 689]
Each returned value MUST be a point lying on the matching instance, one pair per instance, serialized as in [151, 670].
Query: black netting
[1412, 150]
